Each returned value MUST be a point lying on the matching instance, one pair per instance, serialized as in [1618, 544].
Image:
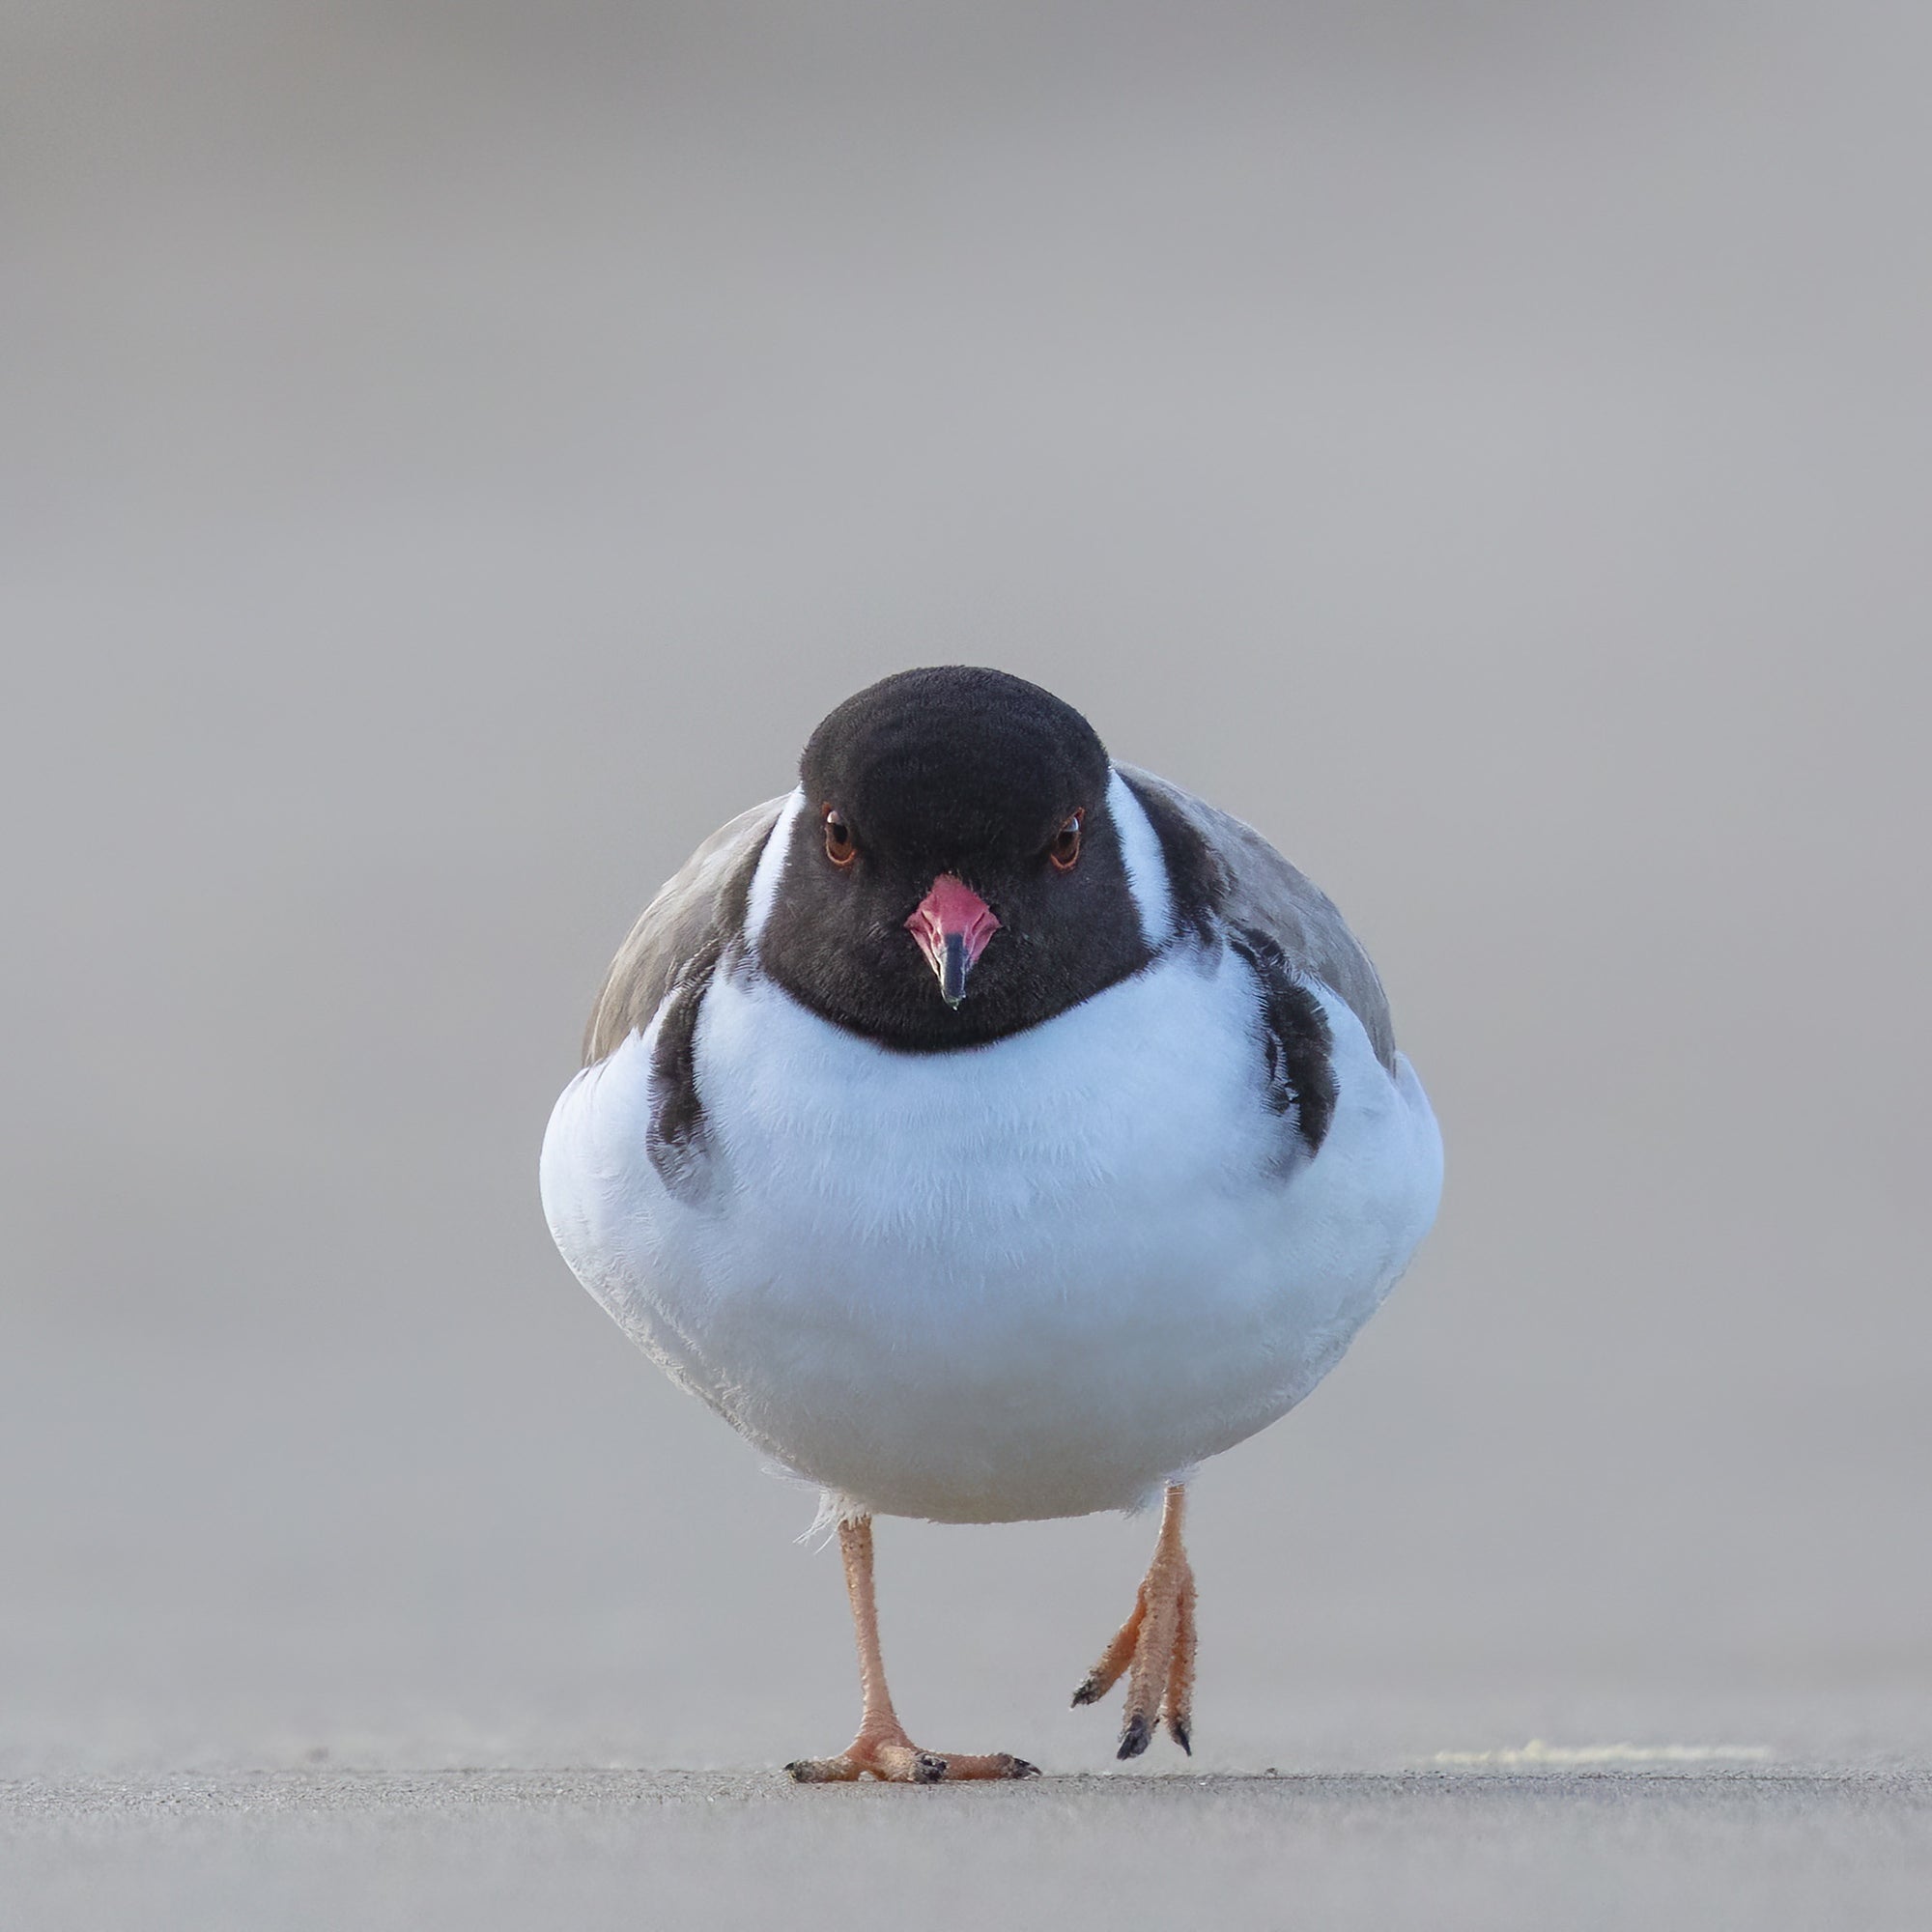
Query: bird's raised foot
[897, 1760]
[1153, 1650]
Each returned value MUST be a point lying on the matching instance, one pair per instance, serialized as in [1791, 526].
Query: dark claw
[1018, 1767]
[1134, 1738]
[1090, 1691]
[1178, 1730]
[927, 1769]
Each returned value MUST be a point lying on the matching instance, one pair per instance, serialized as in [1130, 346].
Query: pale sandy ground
[487, 1850]
[454, 453]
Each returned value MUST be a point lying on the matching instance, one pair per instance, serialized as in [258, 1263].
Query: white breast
[1030, 1279]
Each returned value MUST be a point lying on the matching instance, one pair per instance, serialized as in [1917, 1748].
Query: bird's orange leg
[882, 1749]
[1154, 1648]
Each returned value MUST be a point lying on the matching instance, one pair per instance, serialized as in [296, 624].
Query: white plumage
[1034, 1278]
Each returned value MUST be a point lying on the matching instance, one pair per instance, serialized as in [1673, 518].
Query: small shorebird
[989, 1131]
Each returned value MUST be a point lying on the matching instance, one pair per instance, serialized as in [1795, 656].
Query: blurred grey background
[452, 456]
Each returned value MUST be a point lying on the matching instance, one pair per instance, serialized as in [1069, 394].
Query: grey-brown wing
[1256, 888]
[683, 926]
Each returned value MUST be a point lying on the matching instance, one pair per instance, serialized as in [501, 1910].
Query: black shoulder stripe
[1193, 874]
[676, 1141]
[1294, 1029]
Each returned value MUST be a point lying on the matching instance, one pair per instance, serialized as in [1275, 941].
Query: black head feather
[970, 772]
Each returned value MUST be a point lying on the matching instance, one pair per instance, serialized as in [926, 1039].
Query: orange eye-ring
[1064, 851]
[840, 845]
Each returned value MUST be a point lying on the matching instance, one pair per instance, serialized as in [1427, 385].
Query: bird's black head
[954, 873]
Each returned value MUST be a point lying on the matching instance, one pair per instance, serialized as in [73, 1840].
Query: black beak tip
[952, 970]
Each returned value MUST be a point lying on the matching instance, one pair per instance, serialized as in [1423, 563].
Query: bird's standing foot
[1154, 1648]
[892, 1756]
[882, 1749]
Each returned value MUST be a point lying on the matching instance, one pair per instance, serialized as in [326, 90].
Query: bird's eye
[1064, 851]
[840, 845]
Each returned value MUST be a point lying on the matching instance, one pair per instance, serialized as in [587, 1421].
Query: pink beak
[953, 925]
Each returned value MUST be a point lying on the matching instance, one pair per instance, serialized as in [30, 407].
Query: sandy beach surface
[487, 1850]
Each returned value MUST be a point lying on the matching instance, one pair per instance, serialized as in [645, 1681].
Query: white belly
[1031, 1279]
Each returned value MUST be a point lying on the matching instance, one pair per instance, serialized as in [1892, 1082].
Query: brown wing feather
[690, 913]
[1257, 887]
